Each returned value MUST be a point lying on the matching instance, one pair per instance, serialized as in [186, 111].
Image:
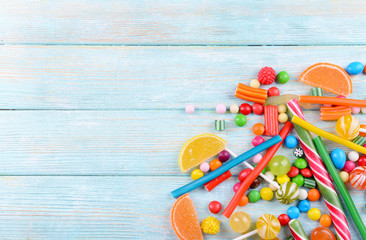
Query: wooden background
[93, 94]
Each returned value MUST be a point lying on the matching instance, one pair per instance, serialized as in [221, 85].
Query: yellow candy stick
[327, 135]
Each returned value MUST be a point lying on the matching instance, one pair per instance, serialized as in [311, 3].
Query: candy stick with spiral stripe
[296, 230]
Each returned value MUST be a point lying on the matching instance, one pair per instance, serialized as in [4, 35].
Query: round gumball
[294, 171]
[189, 109]
[282, 179]
[355, 110]
[236, 187]
[254, 196]
[258, 108]
[240, 221]
[245, 109]
[215, 164]
[196, 174]
[234, 108]
[290, 141]
[357, 178]
[258, 129]
[293, 212]
[303, 194]
[325, 220]
[344, 176]
[243, 201]
[255, 183]
[301, 163]
[257, 158]
[240, 120]
[284, 219]
[353, 156]
[338, 157]
[269, 175]
[314, 214]
[279, 165]
[244, 173]
[273, 91]
[266, 194]
[214, 207]
[313, 195]
[304, 206]
[254, 83]
[298, 152]
[224, 156]
[205, 167]
[306, 172]
[299, 180]
[282, 117]
[257, 140]
[361, 161]
[282, 108]
[274, 188]
[221, 108]
[282, 77]
[321, 233]
[349, 166]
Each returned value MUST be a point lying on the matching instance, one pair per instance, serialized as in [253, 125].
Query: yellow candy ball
[314, 214]
[282, 108]
[266, 194]
[196, 174]
[210, 225]
[254, 83]
[282, 117]
[282, 179]
[344, 176]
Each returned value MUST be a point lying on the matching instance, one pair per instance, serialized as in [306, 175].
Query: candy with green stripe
[287, 193]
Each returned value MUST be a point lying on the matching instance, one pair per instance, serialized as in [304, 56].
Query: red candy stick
[271, 120]
[215, 182]
[256, 171]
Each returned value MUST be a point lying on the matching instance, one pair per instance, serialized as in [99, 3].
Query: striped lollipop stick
[321, 176]
[296, 230]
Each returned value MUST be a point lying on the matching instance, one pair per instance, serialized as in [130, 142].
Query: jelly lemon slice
[198, 149]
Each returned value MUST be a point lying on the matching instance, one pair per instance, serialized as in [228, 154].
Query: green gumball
[301, 163]
[254, 196]
[282, 77]
[279, 165]
[240, 120]
[299, 180]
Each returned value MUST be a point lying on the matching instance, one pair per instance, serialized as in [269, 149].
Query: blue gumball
[290, 141]
[338, 157]
[304, 206]
[293, 212]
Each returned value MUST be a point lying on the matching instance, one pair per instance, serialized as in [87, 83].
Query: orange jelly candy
[321, 233]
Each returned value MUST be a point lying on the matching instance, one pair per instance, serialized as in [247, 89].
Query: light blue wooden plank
[115, 142]
[118, 208]
[184, 22]
[150, 77]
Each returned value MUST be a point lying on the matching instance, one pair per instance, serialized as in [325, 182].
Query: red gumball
[306, 172]
[245, 109]
[244, 173]
[362, 161]
[273, 91]
[284, 219]
[258, 108]
[294, 171]
[215, 207]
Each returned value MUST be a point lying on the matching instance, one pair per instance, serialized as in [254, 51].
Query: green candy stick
[340, 185]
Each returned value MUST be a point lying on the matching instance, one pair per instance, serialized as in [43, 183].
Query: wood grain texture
[116, 208]
[138, 78]
[184, 22]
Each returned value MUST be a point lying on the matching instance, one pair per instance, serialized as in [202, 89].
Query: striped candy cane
[321, 176]
[296, 230]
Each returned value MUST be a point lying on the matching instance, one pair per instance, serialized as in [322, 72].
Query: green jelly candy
[240, 120]
[282, 77]
[264, 169]
[254, 196]
[301, 163]
[299, 180]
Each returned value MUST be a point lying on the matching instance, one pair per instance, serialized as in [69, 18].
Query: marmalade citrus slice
[329, 77]
[199, 148]
[184, 219]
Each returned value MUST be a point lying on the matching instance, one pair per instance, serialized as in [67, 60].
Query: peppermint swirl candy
[287, 193]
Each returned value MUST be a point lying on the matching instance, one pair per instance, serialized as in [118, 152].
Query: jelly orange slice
[199, 148]
[184, 219]
[329, 77]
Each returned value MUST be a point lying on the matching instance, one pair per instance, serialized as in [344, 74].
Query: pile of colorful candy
[288, 182]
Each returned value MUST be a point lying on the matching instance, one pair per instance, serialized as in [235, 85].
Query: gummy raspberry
[266, 75]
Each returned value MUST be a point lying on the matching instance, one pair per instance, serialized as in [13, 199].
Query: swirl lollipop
[348, 127]
[287, 193]
[358, 178]
[268, 227]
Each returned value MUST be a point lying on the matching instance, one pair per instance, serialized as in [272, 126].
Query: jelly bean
[205, 167]
[224, 156]
[301, 163]
[290, 141]
[214, 207]
[282, 117]
[221, 108]
[234, 108]
[355, 68]
[244, 173]
[298, 152]
[254, 83]
[243, 201]
[215, 164]
[258, 109]
[282, 179]
[282, 77]
[325, 220]
[266, 194]
[293, 212]
[314, 214]
[294, 171]
[313, 195]
[269, 175]
[240, 120]
[338, 157]
[299, 180]
[304, 206]
[344, 176]
[303, 194]
[306, 172]
[245, 109]
[189, 109]
[349, 166]
[257, 140]
[255, 183]
[361, 161]
[258, 129]
[353, 156]
[254, 196]
[282, 108]
[284, 219]
[355, 110]
[257, 158]
[273, 91]
[196, 174]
